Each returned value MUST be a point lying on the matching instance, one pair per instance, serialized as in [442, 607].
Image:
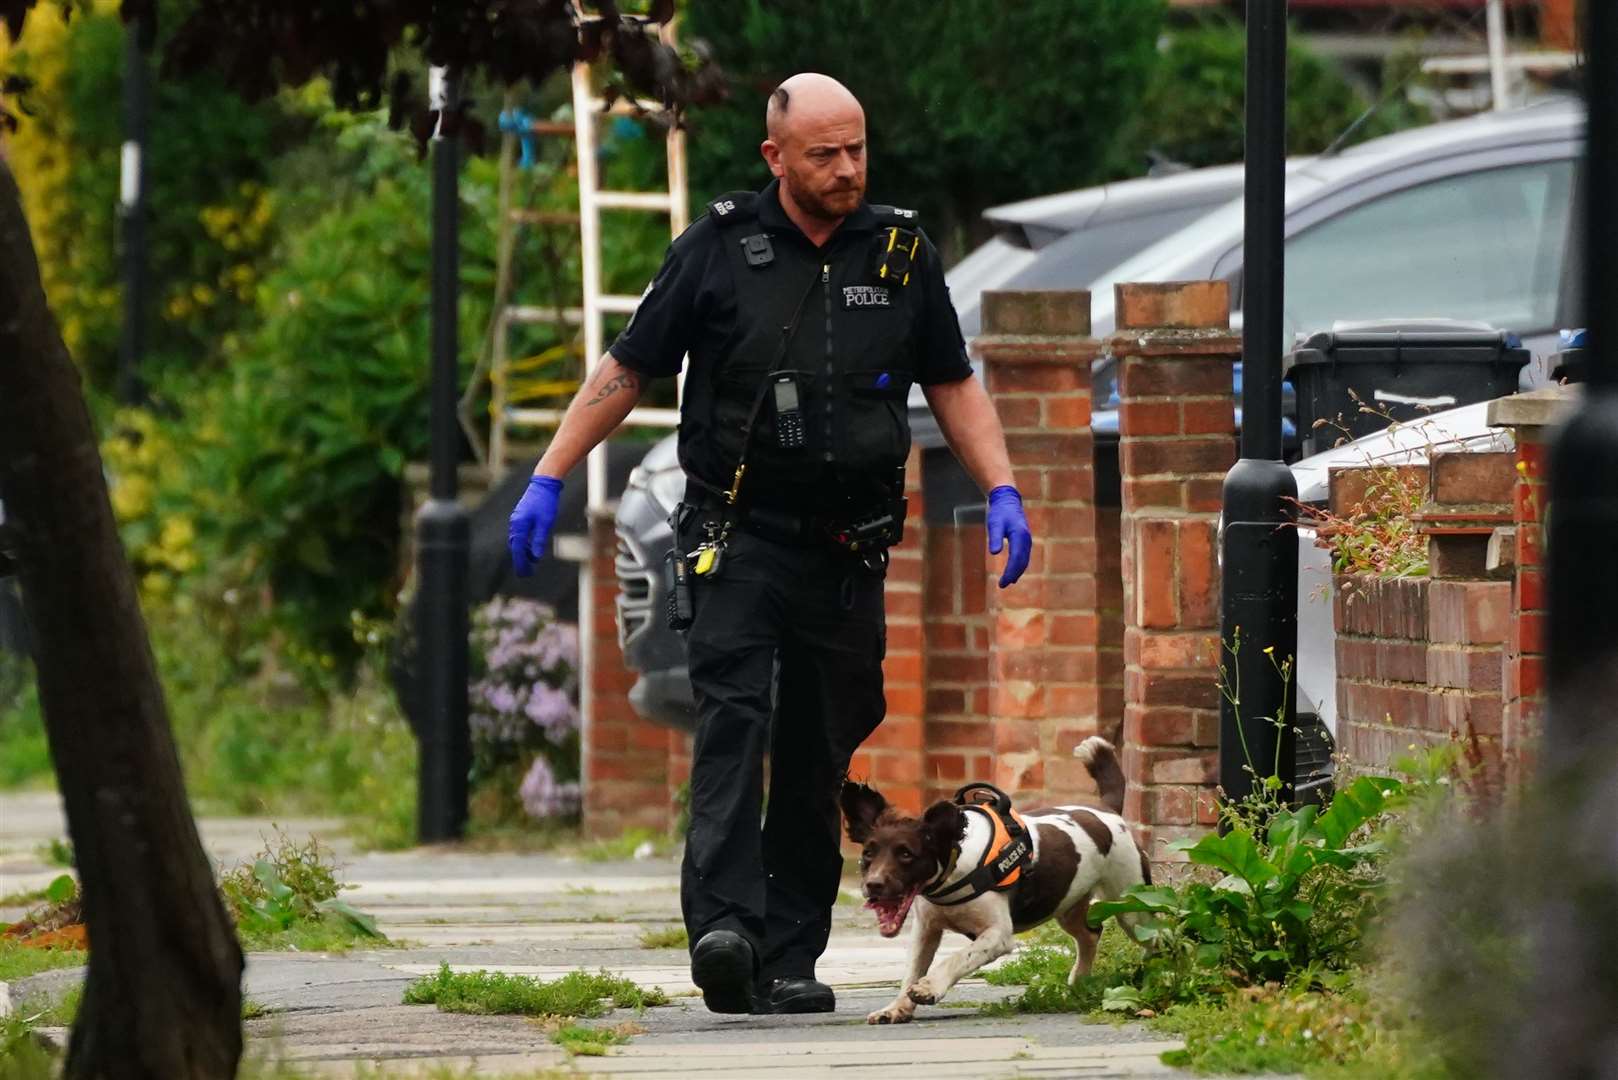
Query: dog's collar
[1009, 850]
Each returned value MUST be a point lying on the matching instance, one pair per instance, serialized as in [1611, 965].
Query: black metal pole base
[443, 542]
[1259, 574]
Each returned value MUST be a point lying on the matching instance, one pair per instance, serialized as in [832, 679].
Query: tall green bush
[296, 459]
[1192, 112]
[205, 166]
[967, 104]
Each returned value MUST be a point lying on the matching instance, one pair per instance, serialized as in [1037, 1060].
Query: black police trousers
[786, 652]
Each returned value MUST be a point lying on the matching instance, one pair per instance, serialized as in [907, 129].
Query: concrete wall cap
[1537, 408]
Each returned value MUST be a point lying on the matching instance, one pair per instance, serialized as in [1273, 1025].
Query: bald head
[806, 98]
[816, 145]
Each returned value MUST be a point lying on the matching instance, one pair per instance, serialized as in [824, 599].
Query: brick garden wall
[1114, 628]
[1421, 661]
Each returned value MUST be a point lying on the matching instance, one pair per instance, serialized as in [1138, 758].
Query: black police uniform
[790, 627]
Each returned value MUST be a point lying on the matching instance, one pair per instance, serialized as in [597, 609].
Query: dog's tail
[1101, 759]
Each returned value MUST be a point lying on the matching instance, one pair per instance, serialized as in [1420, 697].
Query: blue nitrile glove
[531, 522]
[1007, 522]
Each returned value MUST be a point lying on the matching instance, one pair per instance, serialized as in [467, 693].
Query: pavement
[545, 915]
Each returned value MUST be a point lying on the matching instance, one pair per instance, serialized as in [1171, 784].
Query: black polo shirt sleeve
[940, 350]
[668, 320]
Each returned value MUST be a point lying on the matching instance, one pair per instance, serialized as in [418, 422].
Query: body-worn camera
[876, 531]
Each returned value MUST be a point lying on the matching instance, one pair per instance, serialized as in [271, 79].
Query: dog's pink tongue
[889, 916]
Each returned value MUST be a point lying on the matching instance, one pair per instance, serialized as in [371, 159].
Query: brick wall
[894, 757]
[1176, 424]
[1110, 620]
[1422, 660]
[626, 759]
[955, 630]
[1044, 630]
[1525, 660]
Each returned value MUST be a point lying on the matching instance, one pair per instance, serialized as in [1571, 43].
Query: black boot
[793, 995]
[722, 967]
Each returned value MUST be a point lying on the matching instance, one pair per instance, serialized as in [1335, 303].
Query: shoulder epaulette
[896, 215]
[734, 206]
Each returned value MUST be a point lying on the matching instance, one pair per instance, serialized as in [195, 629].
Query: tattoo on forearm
[624, 380]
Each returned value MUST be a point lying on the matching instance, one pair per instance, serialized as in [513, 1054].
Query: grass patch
[18, 961]
[58, 1011]
[593, 1041]
[486, 993]
[1325, 1036]
[625, 846]
[1042, 970]
[670, 937]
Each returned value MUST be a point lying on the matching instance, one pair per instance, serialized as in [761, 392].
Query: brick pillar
[1110, 610]
[1530, 417]
[625, 758]
[1469, 602]
[1559, 24]
[1043, 699]
[893, 758]
[955, 629]
[1176, 425]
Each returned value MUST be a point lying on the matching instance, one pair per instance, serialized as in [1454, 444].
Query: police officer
[807, 314]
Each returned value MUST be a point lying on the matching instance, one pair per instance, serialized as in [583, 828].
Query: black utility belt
[861, 532]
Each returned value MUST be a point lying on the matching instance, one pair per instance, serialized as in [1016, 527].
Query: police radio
[788, 413]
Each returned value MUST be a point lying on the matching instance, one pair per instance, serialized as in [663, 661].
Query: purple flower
[525, 695]
[552, 710]
[543, 796]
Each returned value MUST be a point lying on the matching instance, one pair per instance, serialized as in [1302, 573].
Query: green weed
[577, 993]
[287, 897]
[1042, 970]
[21, 1056]
[1341, 1035]
[592, 1041]
[670, 937]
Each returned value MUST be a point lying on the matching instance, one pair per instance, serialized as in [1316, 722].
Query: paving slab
[546, 915]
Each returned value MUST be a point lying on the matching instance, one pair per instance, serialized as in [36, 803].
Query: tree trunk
[162, 1000]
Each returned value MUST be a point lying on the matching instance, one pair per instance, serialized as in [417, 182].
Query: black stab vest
[851, 351]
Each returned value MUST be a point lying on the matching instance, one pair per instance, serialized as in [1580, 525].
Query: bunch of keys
[706, 559]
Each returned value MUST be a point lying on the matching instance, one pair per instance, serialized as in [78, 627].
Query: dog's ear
[861, 805]
[944, 824]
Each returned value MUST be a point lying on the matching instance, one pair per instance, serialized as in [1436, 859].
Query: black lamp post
[442, 531]
[1259, 549]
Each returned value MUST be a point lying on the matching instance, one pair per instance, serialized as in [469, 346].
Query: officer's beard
[833, 205]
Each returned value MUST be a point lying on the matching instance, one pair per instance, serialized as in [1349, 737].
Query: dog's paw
[893, 1014]
[922, 992]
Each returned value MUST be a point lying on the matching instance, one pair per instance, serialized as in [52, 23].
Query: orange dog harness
[1009, 850]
